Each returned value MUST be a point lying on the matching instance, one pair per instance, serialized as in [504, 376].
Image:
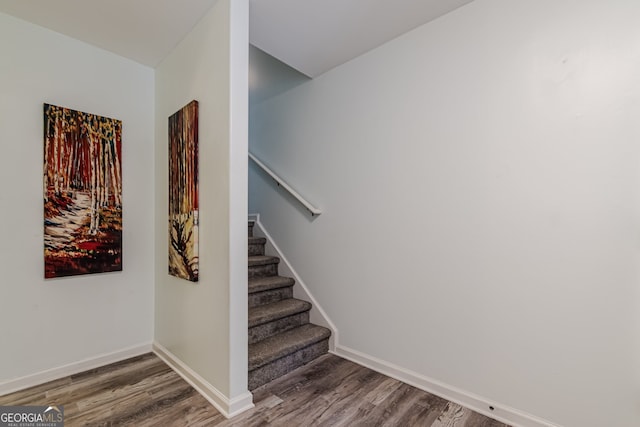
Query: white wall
[47, 324]
[479, 182]
[204, 324]
[238, 199]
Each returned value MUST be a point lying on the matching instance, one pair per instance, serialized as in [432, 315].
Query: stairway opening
[281, 338]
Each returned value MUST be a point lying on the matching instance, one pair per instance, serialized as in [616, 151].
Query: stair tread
[257, 240]
[276, 310]
[285, 343]
[263, 260]
[260, 284]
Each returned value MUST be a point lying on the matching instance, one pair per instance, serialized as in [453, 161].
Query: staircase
[280, 335]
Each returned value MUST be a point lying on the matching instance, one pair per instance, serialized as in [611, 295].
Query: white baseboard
[38, 378]
[476, 403]
[227, 407]
[316, 315]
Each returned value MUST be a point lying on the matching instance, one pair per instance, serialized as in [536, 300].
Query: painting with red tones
[183, 193]
[82, 193]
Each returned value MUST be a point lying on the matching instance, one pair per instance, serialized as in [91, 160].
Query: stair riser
[260, 332]
[284, 365]
[256, 249]
[266, 297]
[263, 270]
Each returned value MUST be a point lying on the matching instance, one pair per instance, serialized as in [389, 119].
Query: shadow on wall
[269, 76]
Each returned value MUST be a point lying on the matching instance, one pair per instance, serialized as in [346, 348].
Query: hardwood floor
[330, 391]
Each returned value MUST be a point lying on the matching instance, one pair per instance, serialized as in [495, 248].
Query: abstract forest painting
[82, 193]
[183, 193]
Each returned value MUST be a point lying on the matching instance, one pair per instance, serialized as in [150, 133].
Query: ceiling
[142, 30]
[314, 36]
[311, 36]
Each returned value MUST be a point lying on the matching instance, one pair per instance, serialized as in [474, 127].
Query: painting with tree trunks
[183, 193]
[82, 193]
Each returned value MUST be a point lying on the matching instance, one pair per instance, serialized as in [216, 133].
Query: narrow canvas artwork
[183, 193]
[82, 193]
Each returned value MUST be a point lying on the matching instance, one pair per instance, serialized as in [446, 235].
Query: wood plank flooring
[330, 391]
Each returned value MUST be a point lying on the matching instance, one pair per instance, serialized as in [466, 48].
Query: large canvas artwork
[183, 193]
[82, 193]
